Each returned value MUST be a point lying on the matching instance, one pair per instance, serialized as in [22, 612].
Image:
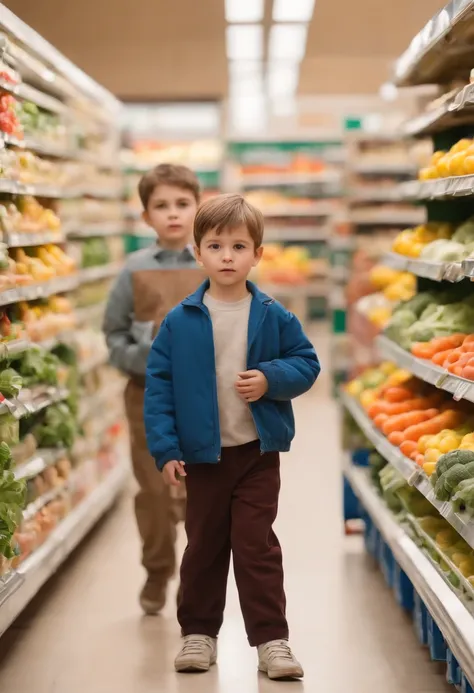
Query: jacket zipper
[267, 303]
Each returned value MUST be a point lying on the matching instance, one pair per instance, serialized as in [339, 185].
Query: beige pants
[157, 508]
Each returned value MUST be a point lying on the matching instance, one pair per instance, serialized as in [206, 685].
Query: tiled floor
[84, 633]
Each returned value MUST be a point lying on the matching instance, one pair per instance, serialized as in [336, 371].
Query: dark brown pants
[231, 507]
[156, 510]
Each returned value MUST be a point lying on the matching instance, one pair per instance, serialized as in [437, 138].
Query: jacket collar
[196, 299]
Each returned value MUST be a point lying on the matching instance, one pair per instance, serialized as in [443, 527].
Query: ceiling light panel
[288, 42]
[240, 11]
[282, 79]
[244, 42]
[292, 10]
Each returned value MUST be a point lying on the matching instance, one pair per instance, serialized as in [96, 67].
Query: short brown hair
[168, 174]
[227, 212]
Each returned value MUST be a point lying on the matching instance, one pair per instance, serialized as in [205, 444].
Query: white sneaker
[276, 659]
[198, 653]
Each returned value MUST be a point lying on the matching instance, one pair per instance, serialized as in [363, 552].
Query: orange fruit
[456, 164]
[460, 146]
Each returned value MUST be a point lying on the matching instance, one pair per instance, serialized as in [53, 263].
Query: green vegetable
[39, 367]
[465, 232]
[12, 502]
[453, 477]
[58, 427]
[464, 497]
[10, 382]
[5, 457]
[449, 459]
[9, 429]
[439, 490]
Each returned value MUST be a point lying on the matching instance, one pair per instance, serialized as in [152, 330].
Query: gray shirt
[129, 341]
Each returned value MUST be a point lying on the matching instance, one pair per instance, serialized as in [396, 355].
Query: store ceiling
[157, 49]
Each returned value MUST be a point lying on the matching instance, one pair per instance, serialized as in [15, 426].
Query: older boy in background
[151, 283]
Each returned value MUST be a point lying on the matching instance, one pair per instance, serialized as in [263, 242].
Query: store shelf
[32, 292]
[21, 587]
[32, 401]
[438, 188]
[93, 274]
[96, 230]
[296, 233]
[283, 179]
[413, 474]
[441, 50]
[459, 110]
[27, 93]
[12, 348]
[54, 151]
[436, 271]
[451, 616]
[312, 289]
[460, 388]
[24, 240]
[38, 463]
[383, 167]
[322, 209]
[14, 187]
[392, 217]
[375, 193]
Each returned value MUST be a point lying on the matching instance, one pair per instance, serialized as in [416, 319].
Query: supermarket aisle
[86, 633]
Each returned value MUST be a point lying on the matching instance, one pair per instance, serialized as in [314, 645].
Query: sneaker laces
[196, 645]
[279, 649]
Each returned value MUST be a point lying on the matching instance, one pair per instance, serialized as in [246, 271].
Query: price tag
[462, 389]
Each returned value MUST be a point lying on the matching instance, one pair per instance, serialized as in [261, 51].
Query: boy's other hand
[251, 385]
[172, 470]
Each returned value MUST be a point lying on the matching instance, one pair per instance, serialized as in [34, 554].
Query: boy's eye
[183, 203]
[214, 246]
[239, 246]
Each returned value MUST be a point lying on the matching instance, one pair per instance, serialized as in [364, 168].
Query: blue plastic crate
[420, 619]
[387, 563]
[361, 457]
[466, 686]
[453, 671]
[436, 642]
[403, 588]
[351, 507]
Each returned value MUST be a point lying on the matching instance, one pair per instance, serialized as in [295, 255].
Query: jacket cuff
[167, 457]
[270, 371]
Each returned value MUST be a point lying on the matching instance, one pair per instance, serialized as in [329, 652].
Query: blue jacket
[181, 410]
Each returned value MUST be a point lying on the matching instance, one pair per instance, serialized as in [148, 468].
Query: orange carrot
[397, 394]
[408, 447]
[411, 418]
[440, 357]
[451, 342]
[379, 420]
[449, 418]
[396, 437]
[423, 350]
[392, 408]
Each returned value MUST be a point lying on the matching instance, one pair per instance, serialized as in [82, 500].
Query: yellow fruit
[467, 567]
[415, 249]
[398, 377]
[458, 558]
[449, 442]
[429, 468]
[428, 173]
[381, 276]
[432, 455]
[456, 164]
[468, 164]
[437, 156]
[387, 367]
[424, 443]
[367, 398]
[460, 146]
[443, 166]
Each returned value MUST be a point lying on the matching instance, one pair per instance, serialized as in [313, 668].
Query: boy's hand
[171, 470]
[252, 385]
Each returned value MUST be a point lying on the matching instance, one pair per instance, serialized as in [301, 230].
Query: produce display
[280, 265]
[437, 242]
[429, 315]
[61, 439]
[457, 161]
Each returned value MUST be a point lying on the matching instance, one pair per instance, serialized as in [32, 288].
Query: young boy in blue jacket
[221, 375]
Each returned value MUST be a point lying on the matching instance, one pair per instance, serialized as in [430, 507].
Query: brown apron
[157, 507]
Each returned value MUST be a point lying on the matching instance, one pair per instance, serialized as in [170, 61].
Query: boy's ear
[258, 255]
[197, 254]
[145, 217]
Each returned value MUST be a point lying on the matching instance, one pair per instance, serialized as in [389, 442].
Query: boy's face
[228, 256]
[170, 212]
